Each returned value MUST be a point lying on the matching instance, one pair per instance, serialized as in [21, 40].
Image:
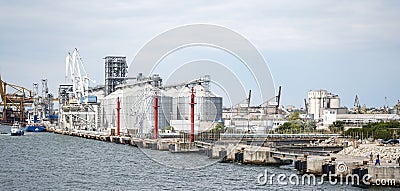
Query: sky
[346, 47]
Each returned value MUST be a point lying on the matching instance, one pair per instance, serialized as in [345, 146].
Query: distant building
[357, 120]
[320, 100]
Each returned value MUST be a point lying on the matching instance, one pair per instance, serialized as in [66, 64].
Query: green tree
[284, 127]
[337, 127]
[291, 127]
[384, 134]
[294, 116]
[296, 125]
[381, 130]
[309, 126]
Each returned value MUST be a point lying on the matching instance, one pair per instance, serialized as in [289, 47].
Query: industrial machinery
[278, 100]
[77, 109]
[138, 106]
[14, 99]
[306, 106]
[273, 104]
[43, 104]
[116, 71]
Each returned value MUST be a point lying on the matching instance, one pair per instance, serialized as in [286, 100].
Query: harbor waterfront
[190, 95]
[134, 132]
[48, 161]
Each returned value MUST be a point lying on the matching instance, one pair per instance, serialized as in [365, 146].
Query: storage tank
[181, 100]
[164, 111]
[208, 106]
[137, 111]
[335, 102]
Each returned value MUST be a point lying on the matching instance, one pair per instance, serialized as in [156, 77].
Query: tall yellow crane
[13, 101]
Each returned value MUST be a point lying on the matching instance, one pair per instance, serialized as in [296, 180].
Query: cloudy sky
[346, 47]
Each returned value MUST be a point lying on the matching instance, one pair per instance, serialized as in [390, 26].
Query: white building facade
[319, 100]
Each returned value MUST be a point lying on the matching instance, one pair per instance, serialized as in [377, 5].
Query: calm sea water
[47, 161]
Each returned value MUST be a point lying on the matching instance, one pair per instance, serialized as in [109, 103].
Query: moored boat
[16, 130]
[35, 128]
[35, 123]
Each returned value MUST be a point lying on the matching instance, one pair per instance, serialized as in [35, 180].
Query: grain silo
[208, 107]
[137, 112]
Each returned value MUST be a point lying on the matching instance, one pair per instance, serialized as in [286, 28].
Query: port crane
[78, 110]
[14, 99]
[43, 104]
[306, 106]
[273, 104]
[76, 74]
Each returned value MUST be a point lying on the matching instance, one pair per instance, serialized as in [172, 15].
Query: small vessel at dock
[16, 129]
[35, 125]
[35, 128]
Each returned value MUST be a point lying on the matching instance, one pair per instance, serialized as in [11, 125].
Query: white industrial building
[320, 100]
[254, 119]
[137, 106]
[137, 114]
[95, 109]
[356, 120]
[207, 110]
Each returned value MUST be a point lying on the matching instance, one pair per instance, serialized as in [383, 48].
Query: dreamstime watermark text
[268, 178]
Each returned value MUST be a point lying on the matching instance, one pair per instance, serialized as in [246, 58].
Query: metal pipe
[155, 116]
[192, 116]
[118, 115]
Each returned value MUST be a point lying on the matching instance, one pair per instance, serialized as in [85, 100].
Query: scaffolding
[116, 71]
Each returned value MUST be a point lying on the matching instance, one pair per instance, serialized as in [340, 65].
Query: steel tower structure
[116, 71]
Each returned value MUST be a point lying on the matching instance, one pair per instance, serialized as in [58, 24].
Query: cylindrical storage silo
[335, 102]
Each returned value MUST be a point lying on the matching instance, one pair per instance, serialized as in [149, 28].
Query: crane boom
[14, 98]
[76, 74]
[306, 106]
[278, 99]
[248, 99]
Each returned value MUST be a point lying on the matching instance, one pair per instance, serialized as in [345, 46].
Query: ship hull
[34, 128]
[17, 132]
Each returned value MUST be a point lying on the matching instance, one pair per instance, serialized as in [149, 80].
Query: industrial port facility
[184, 95]
[189, 117]
[86, 108]
[82, 106]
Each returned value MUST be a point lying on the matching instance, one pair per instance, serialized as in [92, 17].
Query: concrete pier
[181, 147]
[248, 154]
[155, 144]
[100, 136]
[317, 160]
